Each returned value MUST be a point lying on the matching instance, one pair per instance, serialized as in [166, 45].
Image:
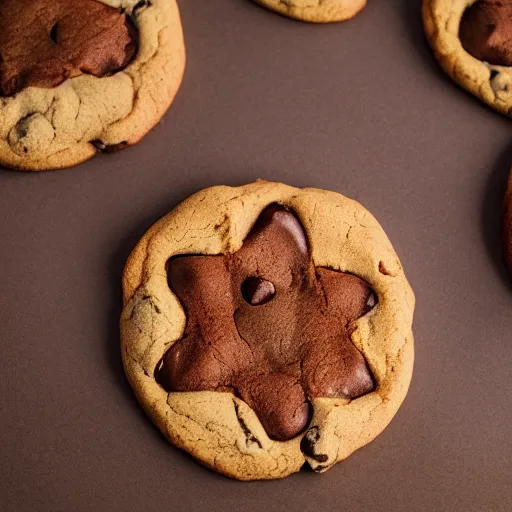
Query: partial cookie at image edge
[490, 83]
[326, 11]
[61, 127]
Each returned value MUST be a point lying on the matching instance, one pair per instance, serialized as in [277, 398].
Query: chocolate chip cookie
[507, 224]
[472, 40]
[316, 11]
[82, 76]
[267, 326]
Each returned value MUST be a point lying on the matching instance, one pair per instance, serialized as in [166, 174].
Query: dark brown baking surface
[360, 108]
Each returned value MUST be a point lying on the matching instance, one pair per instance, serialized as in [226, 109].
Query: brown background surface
[360, 108]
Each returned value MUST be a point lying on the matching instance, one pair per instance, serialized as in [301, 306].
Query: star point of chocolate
[269, 326]
[44, 42]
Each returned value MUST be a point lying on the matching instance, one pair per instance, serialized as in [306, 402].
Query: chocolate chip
[371, 302]
[54, 34]
[99, 145]
[257, 291]
[141, 4]
[113, 148]
[249, 436]
[307, 445]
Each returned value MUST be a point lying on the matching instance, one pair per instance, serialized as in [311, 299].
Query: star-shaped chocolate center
[44, 42]
[267, 325]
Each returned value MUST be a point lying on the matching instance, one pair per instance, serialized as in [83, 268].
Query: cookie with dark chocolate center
[43, 43]
[472, 40]
[82, 76]
[266, 326]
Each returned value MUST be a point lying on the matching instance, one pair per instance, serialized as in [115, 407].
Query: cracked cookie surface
[454, 28]
[48, 127]
[219, 428]
[316, 11]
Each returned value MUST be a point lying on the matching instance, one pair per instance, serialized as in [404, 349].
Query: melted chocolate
[486, 31]
[267, 325]
[44, 42]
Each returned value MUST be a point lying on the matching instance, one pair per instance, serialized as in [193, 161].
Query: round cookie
[471, 39]
[234, 298]
[323, 11]
[87, 76]
[507, 224]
